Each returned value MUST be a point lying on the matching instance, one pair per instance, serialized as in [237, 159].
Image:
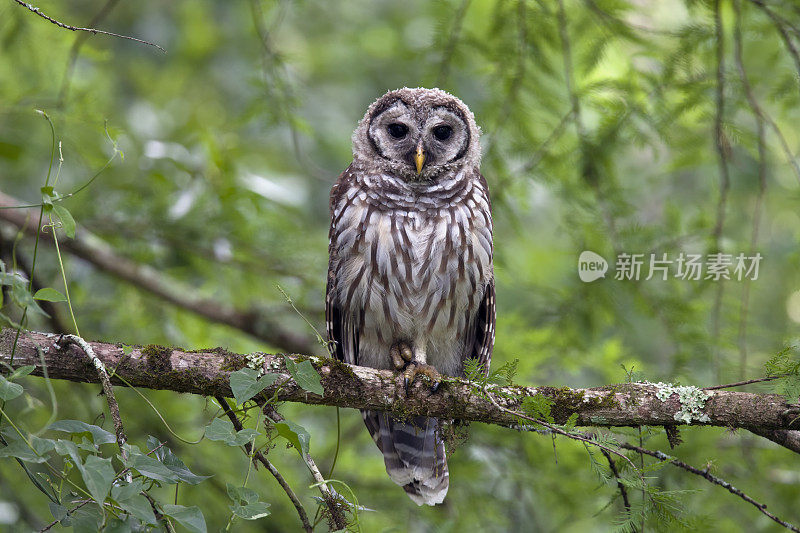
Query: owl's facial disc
[419, 144]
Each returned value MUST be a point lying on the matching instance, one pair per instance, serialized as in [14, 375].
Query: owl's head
[417, 135]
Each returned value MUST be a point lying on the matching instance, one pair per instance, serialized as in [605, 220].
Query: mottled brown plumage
[411, 264]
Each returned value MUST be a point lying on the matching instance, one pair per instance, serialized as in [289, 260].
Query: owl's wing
[483, 330]
[343, 333]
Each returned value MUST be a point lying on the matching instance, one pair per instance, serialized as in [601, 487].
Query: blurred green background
[605, 128]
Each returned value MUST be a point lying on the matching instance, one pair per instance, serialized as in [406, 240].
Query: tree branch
[712, 479]
[91, 248]
[261, 458]
[206, 372]
[39, 12]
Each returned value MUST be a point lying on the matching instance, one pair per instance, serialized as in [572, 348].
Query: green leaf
[24, 299]
[37, 452]
[295, 434]
[59, 512]
[115, 525]
[138, 506]
[174, 464]
[305, 375]
[47, 190]
[9, 390]
[87, 519]
[189, 517]
[246, 504]
[153, 469]
[99, 435]
[49, 295]
[67, 222]
[222, 430]
[245, 384]
[127, 491]
[98, 474]
[21, 372]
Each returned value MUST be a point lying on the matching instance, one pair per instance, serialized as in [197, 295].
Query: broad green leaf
[295, 434]
[68, 448]
[37, 452]
[222, 430]
[58, 511]
[98, 474]
[245, 384]
[153, 468]
[127, 491]
[305, 375]
[115, 525]
[246, 504]
[251, 511]
[87, 519]
[138, 506]
[24, 299]
[49, 295]
[99, 435]
[189, 517]
[175, 465]
[9, 390]
[21, 372]
[67, 222]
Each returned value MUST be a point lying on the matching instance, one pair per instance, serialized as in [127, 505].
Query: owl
[410, 278]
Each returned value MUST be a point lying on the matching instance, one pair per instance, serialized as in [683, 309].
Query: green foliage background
[231, 142]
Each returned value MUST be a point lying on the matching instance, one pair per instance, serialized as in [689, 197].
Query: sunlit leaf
[295, 434]
[189, 517]
[245, 384]
[305, 375]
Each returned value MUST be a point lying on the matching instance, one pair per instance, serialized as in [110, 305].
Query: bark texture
[206, 372]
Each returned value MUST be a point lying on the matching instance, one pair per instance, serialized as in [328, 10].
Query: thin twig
[620, 485]
[780, 25]
[329, 495]
[108, 390]
[39, 12]
[54, 522]
[746, 382]
[555, 429]
[711, 478]
[237, 424]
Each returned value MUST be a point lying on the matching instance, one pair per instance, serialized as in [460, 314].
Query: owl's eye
[396, 130]
[442, 132]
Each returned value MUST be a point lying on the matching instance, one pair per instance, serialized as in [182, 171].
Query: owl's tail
[414, 455]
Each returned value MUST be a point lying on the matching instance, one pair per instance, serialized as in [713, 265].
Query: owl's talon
[424, 369]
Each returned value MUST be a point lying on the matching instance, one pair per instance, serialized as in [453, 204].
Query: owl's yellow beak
[419, 158]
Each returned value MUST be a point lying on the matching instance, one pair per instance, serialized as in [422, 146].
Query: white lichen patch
[691, 399]
[256, 362]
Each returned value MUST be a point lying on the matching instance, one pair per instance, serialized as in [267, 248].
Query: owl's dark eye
[396, 130]
[442, 132]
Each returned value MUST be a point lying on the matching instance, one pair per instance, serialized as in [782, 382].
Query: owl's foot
[414, 368]
[403, 361]
[401, 355]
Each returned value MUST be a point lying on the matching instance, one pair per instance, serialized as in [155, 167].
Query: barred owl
[410, 279]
